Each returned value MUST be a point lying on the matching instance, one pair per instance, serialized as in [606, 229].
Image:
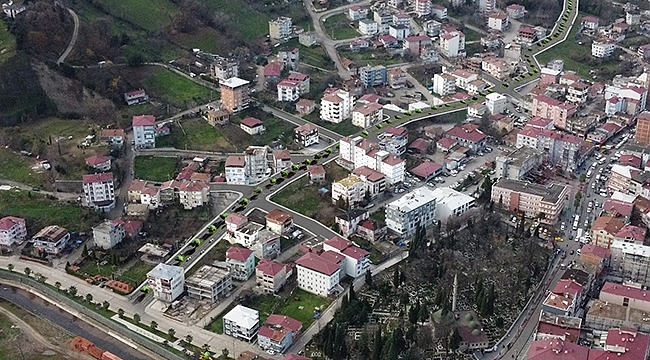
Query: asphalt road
[70, 323]
[73, 40]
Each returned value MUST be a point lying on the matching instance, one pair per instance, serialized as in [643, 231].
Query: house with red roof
[595, 255]
[419, 146]
[467, 136]
[590, 23]
[374, 180]
[271, 275]
[516, 11]
[316, 173]
[549, 108]
[234, 222]
[604, 229]
[565, 304]
[99, 162]
[631, 160]
[240, 262]
[631, 234]
[625, 295]
[427, 170]
[557, 349]
[144, 131]
[193, 194]
[278, 332]
[356, 260]
[618, 208]
[252, 126]
[12, 230]
[318, 275]
[372, 230]
[446, 144]
[295, 357]
[135, 97]
[99, 191]
[272, 72]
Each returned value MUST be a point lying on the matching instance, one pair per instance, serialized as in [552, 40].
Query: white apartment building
[99, 191]
[336, 106]
[368, 27]
[439, 11]
[350, 191]
[256, 165]
[464, 78]
[602, 49]
[209, 283]
[496, 103]
[288, 90]
[12, 230]
[240, 262]
[423, 8]
[358, 152]
[166, 281]
[235, 170]
[577, 92]
[108, 234]
[356, 260]
[241, 323]
[365, 115]
[279, 222]
[487, 6]
[406, 214]
[498, 21]
[444, 84]
[193, 194]
[631, 261]
[452, 44]
[306, 134]
[451, 203]
[531, 199]
[318, 275]
[144, 131]
[51, 239]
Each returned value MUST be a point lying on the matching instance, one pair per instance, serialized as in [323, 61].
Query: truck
[579, 234]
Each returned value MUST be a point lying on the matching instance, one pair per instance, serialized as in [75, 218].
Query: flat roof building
[209, 283]
[531, 199]
[404, 215]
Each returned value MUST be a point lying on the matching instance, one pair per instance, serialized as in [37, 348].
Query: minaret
[453, 299]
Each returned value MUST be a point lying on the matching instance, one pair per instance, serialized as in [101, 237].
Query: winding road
[75, 34]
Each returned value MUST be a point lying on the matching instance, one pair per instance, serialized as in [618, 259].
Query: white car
[563, 226]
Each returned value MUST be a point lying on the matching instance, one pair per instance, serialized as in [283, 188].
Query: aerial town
[312, 180]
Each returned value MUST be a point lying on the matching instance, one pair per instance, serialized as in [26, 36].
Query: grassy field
[338, 27]
[136, 274]
[203, 38]
[150, 15]
[471, 35]
[7, 44]
[155, 168]
[198, 135]
[39, 211]
[300, 196]
[303, 309]
[216, 325]
[175, 89]
[16, 167]
[343, 128]
[315, 55]
[573, 54]
[373, 58]
[250, 23]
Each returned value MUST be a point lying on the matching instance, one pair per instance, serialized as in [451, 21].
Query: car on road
[563, 226]
[571, 252]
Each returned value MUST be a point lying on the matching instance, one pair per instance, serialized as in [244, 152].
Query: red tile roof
[94, 178]
[144, 120]
[316, 169]
[278, 216]
[296, 76]
[132, 227]
[355, 252]
[251, 122]
[627, 344]
[598, 251]
[617, 207]
[238, 254]
[466, 134]
[295, 357]
[112, 133]
[367, 109]
[447, 143]
[273, 69]
[8, 222]
[317, 263]
[392, 160]
[237, 219]
[284, 321]
[556, 349]
[305, 128]
[626, 291]
[137, 185]
[185, 174]
[97, 159]
[426, 169]
[570, 334]
[632, 232]
[566, 286]
[235, 160]
[369, 98]
[338, 243]
[630, 160]
[610, 225]
[419, 144]
[270, 267]
[368, 173]
[282, 154]
[332, 256]
[590, 19]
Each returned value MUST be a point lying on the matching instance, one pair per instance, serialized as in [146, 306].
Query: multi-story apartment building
[235, 94]
[280, 28]
[496, 103]
[518, 163]
[577, 93]
[193, 194]
[469, 136]
[368, 27]
[405, 215]
[222, 68]
[423, 8]
[365, 115]
[240, 262]
[242, 323]
[349, 191]
[51, 239]
[452, 44]
[374, 180]
[144, 131]
[318, 275]
[279, 222]
[625, 295]
[439, 11]
[108, 234]
[631, 261]
[373, 75]
[278, 332]
[444, 84]
[357, 152]
[531, 199]
[357, 12]
[496, 67]
[288, 90]
[12, 230]
[604, 230]
[289, 58]
[306, 134]
[235, 170]
[336, 106]
[99, 191]
[642, 132]
[256, 167]
[622, 178]
[487, 6]
[603, 48]
[271, 275]
[166, 281]
[549, 108]
[99, 162]
[451, 203]
[395, 140]
[209, 283]
[356, 260]
[560, 149]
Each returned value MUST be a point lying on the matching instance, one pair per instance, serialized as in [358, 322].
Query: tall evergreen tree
[369, 279]
[396, 277]
[377, 345]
